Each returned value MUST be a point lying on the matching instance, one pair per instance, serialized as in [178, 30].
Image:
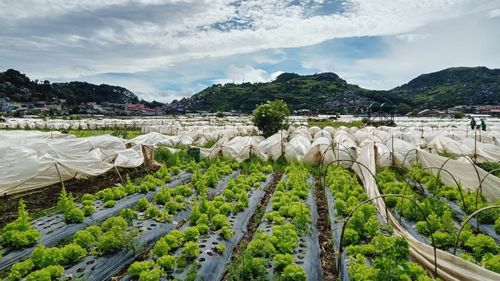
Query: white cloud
[245, 74]
[468, 41]
[74, 39]
[494, 13]
[140, 35]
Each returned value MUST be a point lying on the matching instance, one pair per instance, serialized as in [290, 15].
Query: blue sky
[168, 49]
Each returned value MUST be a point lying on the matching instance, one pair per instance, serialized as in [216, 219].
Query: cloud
[494, 13]
[164, 46]
[468, 41]
[245, 74]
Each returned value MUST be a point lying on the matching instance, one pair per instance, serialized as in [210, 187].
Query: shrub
[138, 267]
[190, 250]
[43, 257]
[269, 117]
[166, 262]
[497, 225]
[20, 269]
[109, 204]
[73, 253]
[74, 215]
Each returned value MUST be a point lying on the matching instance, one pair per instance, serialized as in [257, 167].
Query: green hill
[328, 93]
[318, 92]
[19, 88]
[453, 86]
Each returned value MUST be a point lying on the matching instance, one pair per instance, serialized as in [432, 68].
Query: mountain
[328, 93]
[19, 88]
[453, 86]
[318, 92]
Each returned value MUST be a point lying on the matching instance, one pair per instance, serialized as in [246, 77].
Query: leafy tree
[271, 116]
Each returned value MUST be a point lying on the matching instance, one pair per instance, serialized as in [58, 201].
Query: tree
[271, 116]
[404, 108]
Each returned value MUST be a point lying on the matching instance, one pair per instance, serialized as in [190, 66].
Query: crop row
[201, 248]
[113, 234]
[434, 220]
[373, 251]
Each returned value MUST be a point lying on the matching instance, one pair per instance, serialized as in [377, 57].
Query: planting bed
[201, 248]
[441, 208]
[108, 204]
[372, 251]
[285, 246]
[54, 228]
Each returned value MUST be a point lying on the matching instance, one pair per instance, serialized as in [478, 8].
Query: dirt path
[324, 233]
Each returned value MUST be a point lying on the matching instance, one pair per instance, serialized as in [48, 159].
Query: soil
[324, 234]
[42, 201]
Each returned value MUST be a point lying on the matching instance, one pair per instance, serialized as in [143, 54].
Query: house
[5, 105]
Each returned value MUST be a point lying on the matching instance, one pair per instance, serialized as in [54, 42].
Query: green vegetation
[19, 233]
[374, 253]
[335, 124]
[436, 220]
[124, 133]
[276, 247]
[73, 92]
[270, 117]
[328, 93]
[67, 205]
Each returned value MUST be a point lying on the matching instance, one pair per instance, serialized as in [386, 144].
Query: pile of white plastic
[31, 159]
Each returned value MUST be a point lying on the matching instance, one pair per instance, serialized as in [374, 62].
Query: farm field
[220, 202]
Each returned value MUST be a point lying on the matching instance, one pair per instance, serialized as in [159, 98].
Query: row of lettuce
[436, 220]
[115, 233]
[374, 252]
[177, 253]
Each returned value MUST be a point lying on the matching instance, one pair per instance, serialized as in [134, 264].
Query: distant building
[139, 109]
[5, 105]
[487, 109]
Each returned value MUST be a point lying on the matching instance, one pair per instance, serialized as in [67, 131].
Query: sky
[168, 49]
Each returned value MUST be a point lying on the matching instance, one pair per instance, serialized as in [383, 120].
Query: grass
[335, 124]
[123, 133]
